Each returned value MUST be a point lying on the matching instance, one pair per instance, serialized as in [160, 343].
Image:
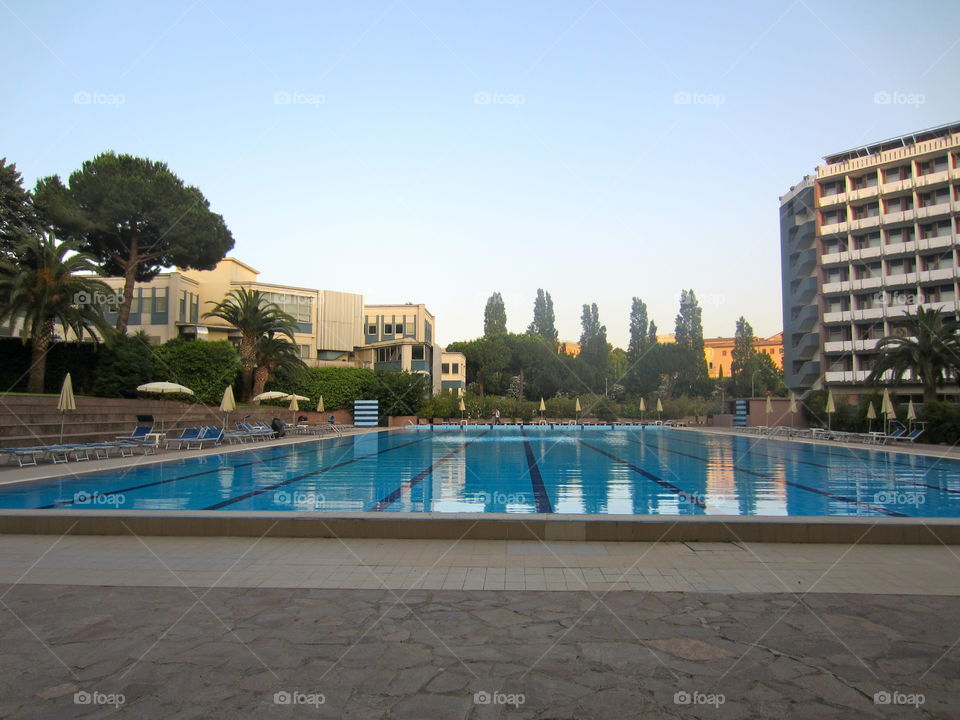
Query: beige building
[885, 225]
[333, 328]
[453, 371]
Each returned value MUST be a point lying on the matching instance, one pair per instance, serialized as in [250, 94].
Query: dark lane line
[388, 500]
[540, 497]
[860, 473]
[688, 497]
[824, 493]
[297, 478]
[192, 475]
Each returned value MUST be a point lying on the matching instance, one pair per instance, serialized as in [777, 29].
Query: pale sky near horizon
[437, 152]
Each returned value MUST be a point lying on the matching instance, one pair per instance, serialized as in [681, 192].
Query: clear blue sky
[437, 151]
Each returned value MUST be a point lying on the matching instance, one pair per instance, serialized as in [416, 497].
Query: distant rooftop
[896, 142]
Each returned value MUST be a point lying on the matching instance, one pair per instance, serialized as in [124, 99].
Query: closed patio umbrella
[576, 409]
[227, 405]
[462, 408]
[793, 407]
[294, 408]
[67, 402]
[320, 405]
[643, 409]
[830, 408]
[886, 409]
[911, 411]
[659, 409]
[871, 416]
[768, 408]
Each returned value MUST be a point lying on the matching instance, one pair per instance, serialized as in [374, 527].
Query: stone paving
[317, 653]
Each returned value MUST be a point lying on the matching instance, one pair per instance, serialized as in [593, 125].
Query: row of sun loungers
[900, 434]
[27, 456]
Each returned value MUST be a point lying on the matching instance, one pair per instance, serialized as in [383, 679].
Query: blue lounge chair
[911, 436]
[211, 435]
[187, 434]
[143, 428]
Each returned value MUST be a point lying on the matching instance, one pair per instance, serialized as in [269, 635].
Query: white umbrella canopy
[164, 388]
[643, 405]
[294, 405]
[228, 404]
[768, 406]
[659, 405]
[576, 405]
[543, 405]
[911, 411]
[871, 412]
[793, 403]
[66, 402]
[320, 405]
[462, 406]
[272, 395]
[831, 407]
[292, 396]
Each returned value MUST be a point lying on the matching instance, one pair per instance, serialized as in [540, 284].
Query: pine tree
[494, 316]
[689, 337]
[639, 330]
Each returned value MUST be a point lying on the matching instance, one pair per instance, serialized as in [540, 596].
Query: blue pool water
[630, 471]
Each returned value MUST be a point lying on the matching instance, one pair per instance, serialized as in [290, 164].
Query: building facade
[332, 328]
[718, 353]
[886, 221]
[453, 371]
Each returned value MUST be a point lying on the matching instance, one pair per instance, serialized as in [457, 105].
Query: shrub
[399, 393]
[123, 364]
[204, 367]
[942, 422]
[340, 386]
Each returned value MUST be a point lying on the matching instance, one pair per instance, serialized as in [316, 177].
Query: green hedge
[339, 386]
[77, 358]
[204, 367]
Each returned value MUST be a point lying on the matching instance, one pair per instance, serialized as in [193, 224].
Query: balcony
[846, 376]
[838, 346]
[835, 258]
[866, 253]
[864, 223]
[866, 283]
[931, 243]
[837, 227]
[807, 319]
[839, 316]
[863, 193]
[901, 248]
[897, 186]
[901, 279]
[865, 344]
[807, 347]
[868, 314]
[926, 276]
[933, 210]
[841, 286]
[899, 216]
[931, 179]
[827, 200]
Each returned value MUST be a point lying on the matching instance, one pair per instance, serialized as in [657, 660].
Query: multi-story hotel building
[333, 328]
[872, 234]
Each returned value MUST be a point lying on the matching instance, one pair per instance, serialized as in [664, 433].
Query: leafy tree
[125, 363]
[494, 316]
[17, 217]
[136, 217]
[544, 321]
[273, 353]
[204, 367]
[399, 393]
[40, 286]
[594, 350]
[255, 317]
[692, 374]
[930, 347]
[745, 362]
[639, 330]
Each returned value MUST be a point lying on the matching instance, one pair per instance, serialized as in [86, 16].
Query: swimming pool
[597, 471]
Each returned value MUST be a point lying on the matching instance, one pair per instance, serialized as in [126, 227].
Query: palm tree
[250, 312]
[272, 355]
[929, 348]
[40, 287]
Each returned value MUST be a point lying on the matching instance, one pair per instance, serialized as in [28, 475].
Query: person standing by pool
[496, 416]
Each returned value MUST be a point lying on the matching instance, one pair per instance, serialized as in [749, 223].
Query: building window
[371, 329]
[445, 368]
[388, 354]
[724, 353]
[896, 174]
[304, 351]
[388, 328]
[456, 368]
[418, 352]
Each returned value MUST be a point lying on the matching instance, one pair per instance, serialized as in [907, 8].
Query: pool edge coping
[485, 526]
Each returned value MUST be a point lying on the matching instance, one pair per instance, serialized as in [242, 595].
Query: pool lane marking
[688, 497]
[388, 500]
[64, 503]
[833, 496]
[298, 478]
[540, 497]
[864, 474]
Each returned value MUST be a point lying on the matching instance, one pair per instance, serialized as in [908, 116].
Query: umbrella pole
[63, 416]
